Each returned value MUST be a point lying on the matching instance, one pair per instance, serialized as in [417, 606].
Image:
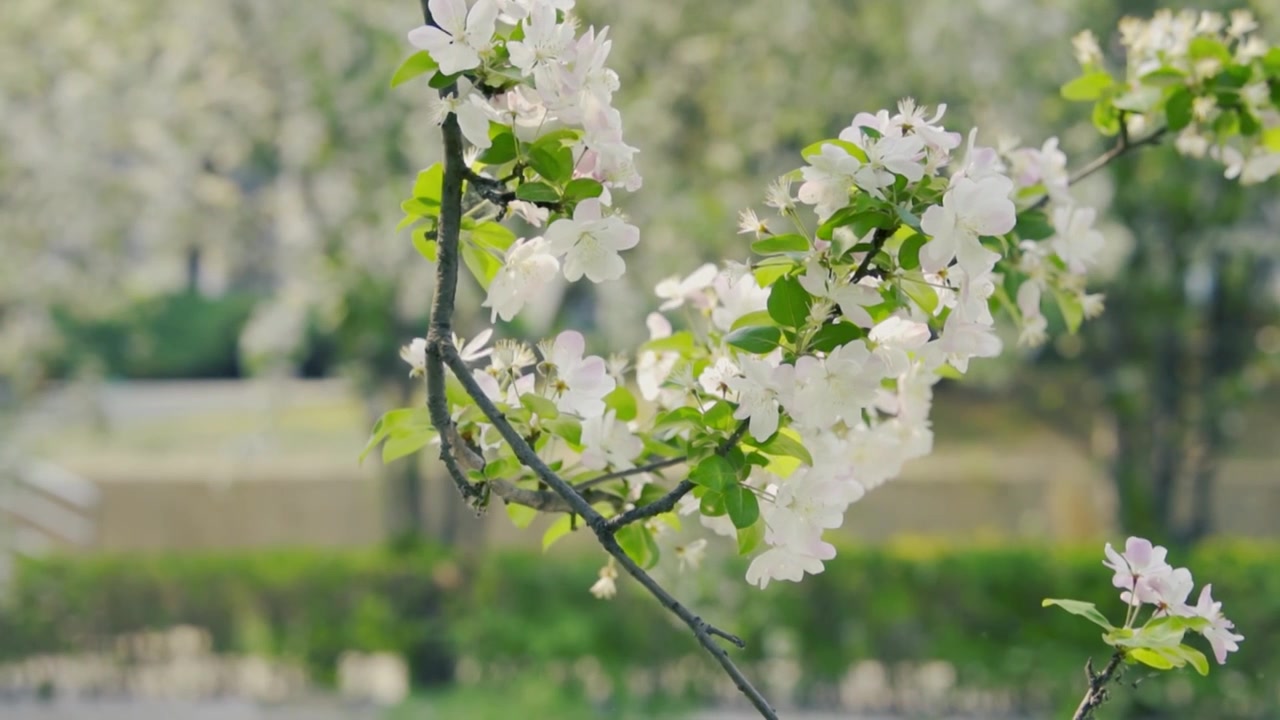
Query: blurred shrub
[182, 335]
[511, 612]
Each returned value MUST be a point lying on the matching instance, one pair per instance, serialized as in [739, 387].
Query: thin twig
[1122, 146]
[637, 470]
[1096, 693]
[668, 502]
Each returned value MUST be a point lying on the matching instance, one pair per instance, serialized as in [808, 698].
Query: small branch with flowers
[790, 386]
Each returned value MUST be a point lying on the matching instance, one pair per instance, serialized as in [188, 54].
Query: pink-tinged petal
[587, 210]
[568, 348]
[1138, 551]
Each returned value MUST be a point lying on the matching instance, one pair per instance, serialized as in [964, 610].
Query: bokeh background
[202, 295]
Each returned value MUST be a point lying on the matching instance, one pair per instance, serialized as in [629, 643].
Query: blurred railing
[43, 507]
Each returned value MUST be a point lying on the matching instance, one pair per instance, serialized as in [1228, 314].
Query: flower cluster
[1147, 579]
[1209, 78]
[786, 388]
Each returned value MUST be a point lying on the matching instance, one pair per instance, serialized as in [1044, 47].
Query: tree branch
[441, 352]
[639, 469]
[1096, 694]
[1123, 145]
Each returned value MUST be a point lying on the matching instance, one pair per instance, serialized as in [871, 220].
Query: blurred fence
[43, 507]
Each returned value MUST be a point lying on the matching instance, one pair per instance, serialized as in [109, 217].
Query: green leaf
[561, 527]
[680, 342]
[920, 292]
[1165, 75]
[1151, 658]
[416, 64]
[1177, 109]
[750, 537]
[493, 235]
[833, 335]
[540, 406]
[1072, 310]
[1203, 46]
[429, 183]
[816, 149]
[743, 508]
[426, 248]
[552, 163]
[786, 443]
[400, 445]
[420, 207]
[1088, 87]
[537, 192]
[768, 271]
[909, 251]
[1086, 610]
[567, 428]
[482, 264]
[760, 339]
[1271, 139]
[714, 473]
[1034, 225]
[582, 189]
[503, 149]
[1195, 657]
[758, 317]
[789, 303]
[1106, 118]
[637, 542]
[780, 244]
[520, 515]
[622, 402]
[440, 81]
[712, 504]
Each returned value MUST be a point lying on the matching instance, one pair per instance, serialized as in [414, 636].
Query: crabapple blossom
[528, 269]
[1219, 632]
[676, 291]
[828, 179]
[608, 443]
[756, 391]
[580, 383]
[970, 209]
[1076, 241]
[1137, 566]
[590, 242]
[415, 353]
[461, 37]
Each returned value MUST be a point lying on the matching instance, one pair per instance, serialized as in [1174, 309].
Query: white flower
[714, 378]
[675, 292]
[757, 396]
[461, 37]
[415, 353]
[837, 387]
[1046, 166]
[1076, 241]
[1086, 48]
[590, 242]
[528, 269]
[580, 383]
[690, 555]
[894, 337]
[789, 563]
[1219, 633]
[911, 120]
[969, 210]
[737, 298]
[962, 340]
[473, 111]
[474, 350]
[608, 442]
[1137, 567]
[828, 179]
[1034, 324]
[545, 41]
[605, 588]
[887, 156]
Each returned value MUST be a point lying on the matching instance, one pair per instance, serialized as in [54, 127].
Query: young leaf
[714, 473]
[833, 335]
[789, 303]
[750, 537]
[780, 244]
[742, 506]
[558, 529]
[416, 64]
[426, 248]
[1085, 610]
[1152, 658]
[503, 149]
[537, 192]
[909, 251]
[428, 184]
[1088, 87]
[637, 541]
[582, 189]
[786, 443]
[540, 406]
[493, 235]
[760, 339]
[622, 402]
[1177, 109]
[520, 515]
[482, 264]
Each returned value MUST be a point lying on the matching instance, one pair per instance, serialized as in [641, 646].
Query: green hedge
[977, 608]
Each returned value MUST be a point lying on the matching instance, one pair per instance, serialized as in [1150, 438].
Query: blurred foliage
[510, 613]
[183, 335]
